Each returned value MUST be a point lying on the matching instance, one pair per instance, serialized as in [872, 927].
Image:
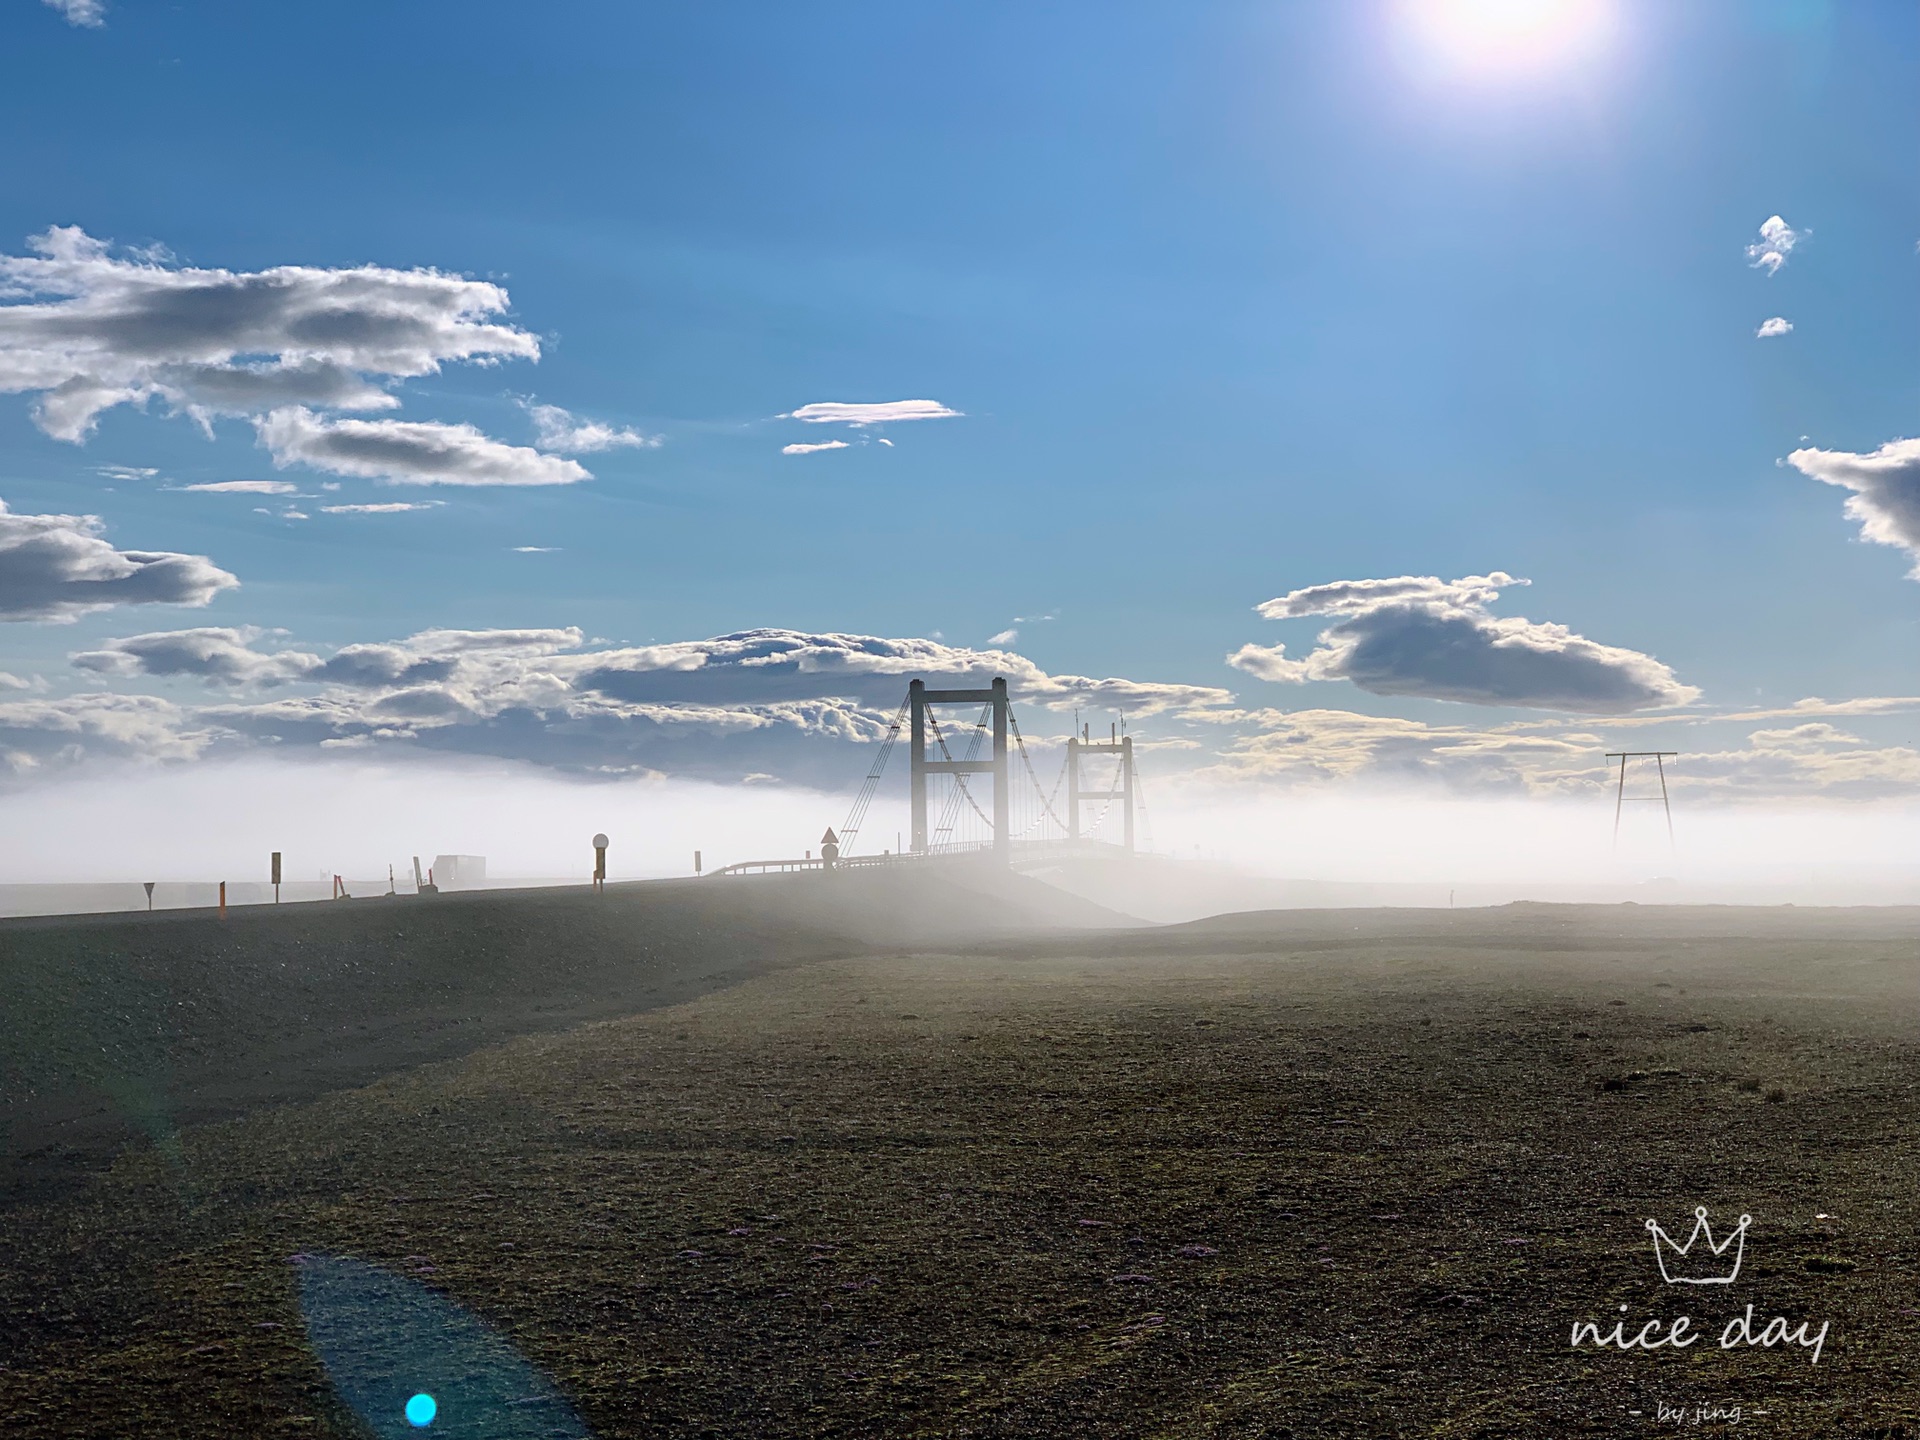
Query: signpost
[149, 885]
[276, 877]
[599, 863]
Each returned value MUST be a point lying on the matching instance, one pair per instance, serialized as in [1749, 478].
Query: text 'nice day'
[1680, 1334]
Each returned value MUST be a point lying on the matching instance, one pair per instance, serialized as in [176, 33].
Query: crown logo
[1675, 1262]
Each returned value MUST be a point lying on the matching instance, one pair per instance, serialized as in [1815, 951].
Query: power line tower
[919, 767]
[1659, 758]
[1121, 745]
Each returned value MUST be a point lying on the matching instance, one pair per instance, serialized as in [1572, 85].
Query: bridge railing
[1025, 852]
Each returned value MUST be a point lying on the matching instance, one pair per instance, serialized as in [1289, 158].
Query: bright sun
[1508, 34]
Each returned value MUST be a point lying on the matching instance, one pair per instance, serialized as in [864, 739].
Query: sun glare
[1508, 35]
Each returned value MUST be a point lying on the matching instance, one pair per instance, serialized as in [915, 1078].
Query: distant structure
[1017, 826]
[422, 885]
[1083, 745]
[460, 872]
[1620, 796]
[919, 697]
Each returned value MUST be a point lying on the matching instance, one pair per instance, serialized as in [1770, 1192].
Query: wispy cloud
[1776, 242]
[387, 507]
[89, 13]
[1006, 637]
[798, 449]
[58, 567]
[409, 452]
[126, 472]
[536, 549]
[245, 487]
[1778, 325]
[1423, 636]
[838, 412]
[1885, 486]
[560, 430]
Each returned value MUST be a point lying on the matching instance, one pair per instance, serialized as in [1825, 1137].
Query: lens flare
[420, 1410]
[1508, 35]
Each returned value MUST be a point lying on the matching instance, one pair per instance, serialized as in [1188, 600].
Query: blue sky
[1233, 301]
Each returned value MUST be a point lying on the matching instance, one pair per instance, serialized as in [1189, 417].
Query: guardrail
[1040, 853]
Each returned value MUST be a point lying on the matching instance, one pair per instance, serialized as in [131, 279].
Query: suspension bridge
[1093, 804]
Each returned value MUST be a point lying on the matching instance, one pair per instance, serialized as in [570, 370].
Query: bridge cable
[858, 814]
[1046, 800]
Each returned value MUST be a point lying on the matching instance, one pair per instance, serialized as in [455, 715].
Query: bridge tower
[919, 697]
[1079, 746]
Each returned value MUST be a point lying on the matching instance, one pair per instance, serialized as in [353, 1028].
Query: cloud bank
[58, 567]
[1422, 636]
[1885, 486]
[779, 703]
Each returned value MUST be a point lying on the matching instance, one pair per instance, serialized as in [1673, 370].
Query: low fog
[1219, 849]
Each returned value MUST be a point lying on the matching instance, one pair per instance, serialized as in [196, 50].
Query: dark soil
[118, 1029]
[1301, 1174]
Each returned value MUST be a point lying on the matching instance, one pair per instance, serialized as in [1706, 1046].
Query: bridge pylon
[919, 767]
[1079, 746]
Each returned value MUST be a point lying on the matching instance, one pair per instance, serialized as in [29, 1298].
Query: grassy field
[1349, 1173]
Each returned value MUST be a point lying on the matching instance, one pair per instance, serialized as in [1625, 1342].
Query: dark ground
[120, 1027]
[1297, 1174]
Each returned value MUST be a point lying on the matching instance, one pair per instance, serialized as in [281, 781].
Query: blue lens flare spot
[421, 1409]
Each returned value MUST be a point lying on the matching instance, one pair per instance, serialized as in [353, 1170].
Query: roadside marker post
[599, 863]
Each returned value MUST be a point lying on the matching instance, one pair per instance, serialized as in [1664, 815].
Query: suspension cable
[1140, 799]
[960, 781]
[858, 814]
[1046, 800]
[1119, 764]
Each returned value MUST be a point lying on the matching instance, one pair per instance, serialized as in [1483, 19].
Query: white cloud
[800, 708]
[126, 472]
[1776, 242]
[1885, 485]
[1778, 325]
[557, 429]
[90, 13]
[825, 412]
[87, 330]
[57, 567]
[390, 507]
[74, 728]
[1423, 636]
[779, 702]
[798, 449]
[245, 487]
[408, 452]
[220, 655]
[535, 549]
[1008, 636]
